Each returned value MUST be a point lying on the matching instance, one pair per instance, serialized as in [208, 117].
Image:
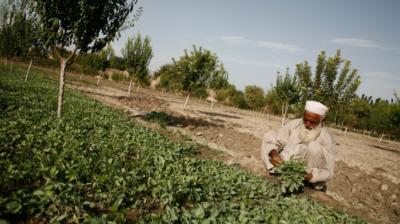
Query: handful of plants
[291, 175]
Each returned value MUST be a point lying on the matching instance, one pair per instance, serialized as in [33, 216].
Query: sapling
[291, 175]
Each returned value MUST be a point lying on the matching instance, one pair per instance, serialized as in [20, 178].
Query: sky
[257, 38]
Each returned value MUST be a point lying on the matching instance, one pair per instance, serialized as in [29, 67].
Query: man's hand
[308, 176]
[275, 159]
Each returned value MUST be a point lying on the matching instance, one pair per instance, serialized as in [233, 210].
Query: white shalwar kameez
[319, 155]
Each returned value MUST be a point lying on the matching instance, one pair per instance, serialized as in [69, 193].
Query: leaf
[117, 203]
[14, 207]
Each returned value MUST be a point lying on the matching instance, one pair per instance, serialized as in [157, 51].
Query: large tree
[80, 26]
[334, 83]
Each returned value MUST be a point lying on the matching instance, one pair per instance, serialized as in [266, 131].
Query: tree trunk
[27, 72]
[11, 67]
[63, 65]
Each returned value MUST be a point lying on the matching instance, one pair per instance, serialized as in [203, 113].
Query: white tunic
[319, 155]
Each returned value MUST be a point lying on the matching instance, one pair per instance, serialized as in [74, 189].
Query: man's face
[311, 120]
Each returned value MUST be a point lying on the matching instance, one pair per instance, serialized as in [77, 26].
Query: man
[306, 140]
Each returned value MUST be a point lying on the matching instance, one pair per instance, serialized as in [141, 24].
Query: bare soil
[367, 174]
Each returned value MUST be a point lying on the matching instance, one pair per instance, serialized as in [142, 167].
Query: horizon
[265, 39]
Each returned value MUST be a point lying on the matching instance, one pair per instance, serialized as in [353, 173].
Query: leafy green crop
[94, 165]
[291, 174]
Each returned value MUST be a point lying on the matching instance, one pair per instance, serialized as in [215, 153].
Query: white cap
[316, 107]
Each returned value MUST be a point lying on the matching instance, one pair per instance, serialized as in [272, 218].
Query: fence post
[381, 138]
[98, 80]
[129, 89]
[27, 72]
[187, 99]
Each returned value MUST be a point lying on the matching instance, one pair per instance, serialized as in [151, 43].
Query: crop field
[96, 165]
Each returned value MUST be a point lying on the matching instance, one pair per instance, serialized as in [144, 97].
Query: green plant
[161, 118]
[94, 165]
[118, 76]
[291, 174]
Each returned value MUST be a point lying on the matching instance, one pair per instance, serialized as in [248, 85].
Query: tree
[81, 26]
[194, 72]
[331, 86]
[17, 29]
[285, 92]
[254, 96]
[137, 55]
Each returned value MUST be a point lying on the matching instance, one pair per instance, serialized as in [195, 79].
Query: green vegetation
[285, 93]
[95, 165]
[137, 55]
[43, 31]
[18, 31]
[254, 96]
[232, 97]
[331, 86]
[291, 174]
[162, 118]
[194, 72]
[77, 24]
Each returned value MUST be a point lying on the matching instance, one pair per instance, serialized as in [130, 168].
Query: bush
[117, 76]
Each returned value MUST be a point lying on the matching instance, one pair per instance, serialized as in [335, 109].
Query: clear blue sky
[255, 39]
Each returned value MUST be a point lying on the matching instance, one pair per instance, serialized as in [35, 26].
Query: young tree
[335, 88]
[17, 29]
[254, 96]
[285, 92]
[194, 72]
[137, 55]
[81, 26]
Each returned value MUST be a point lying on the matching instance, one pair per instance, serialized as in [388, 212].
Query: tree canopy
[137, 55]
[194, 72]
[80, 25]
[334, 83]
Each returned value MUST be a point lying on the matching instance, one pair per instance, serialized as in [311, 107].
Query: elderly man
[303, 139]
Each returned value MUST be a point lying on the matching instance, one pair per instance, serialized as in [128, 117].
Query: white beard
[307, 136]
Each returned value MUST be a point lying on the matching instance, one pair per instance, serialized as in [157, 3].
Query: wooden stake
[129, 89]
[187, 99]
[27, 72]
[381, 138]
[98, 80]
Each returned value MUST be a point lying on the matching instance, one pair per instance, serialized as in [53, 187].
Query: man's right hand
[275, 159]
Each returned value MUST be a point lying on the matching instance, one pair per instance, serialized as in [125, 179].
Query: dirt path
[367, 175]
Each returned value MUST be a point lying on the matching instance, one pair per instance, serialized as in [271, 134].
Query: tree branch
[55, 51]
[73, 55]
